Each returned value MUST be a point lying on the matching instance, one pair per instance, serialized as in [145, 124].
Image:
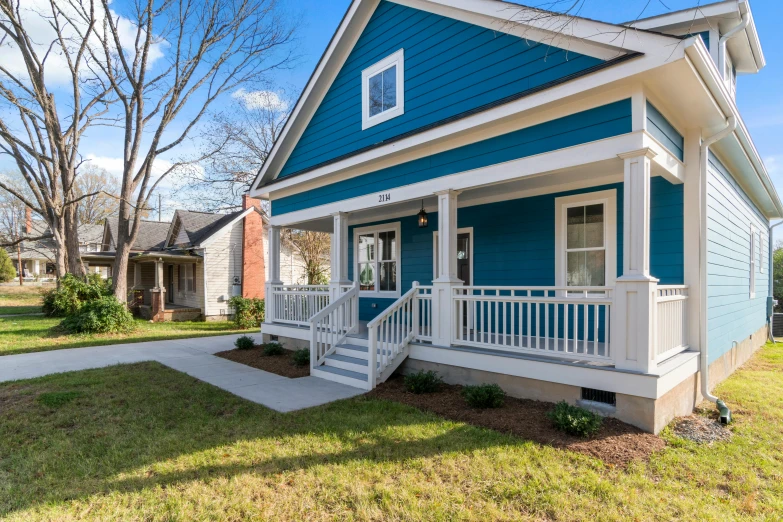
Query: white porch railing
[330, 326]
[424, 305]
[296, 304]
[570, 322]
[392, 331]
[672, 321]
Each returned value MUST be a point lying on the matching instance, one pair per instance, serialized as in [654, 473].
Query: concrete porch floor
[194, 357]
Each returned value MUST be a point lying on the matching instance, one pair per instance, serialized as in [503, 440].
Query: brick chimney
[28, 221]
[253, 265]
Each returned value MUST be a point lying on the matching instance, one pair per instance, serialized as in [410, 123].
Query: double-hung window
[187, 278]
[383, 93]
[586, 238]
[377, 259]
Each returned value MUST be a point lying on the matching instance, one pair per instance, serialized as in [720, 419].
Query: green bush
[248, 313]
[301, 357]
[245, 342]
[273, 348]
[100, 315]
[484, 396]
[423, 382]
[7, 270]
[575, 420]
[72, 293]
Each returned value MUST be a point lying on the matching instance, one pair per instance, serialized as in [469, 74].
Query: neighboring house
[596, 213]
[38, 256]
[189, 267]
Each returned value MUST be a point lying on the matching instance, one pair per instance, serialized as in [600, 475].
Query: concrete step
[332, 373]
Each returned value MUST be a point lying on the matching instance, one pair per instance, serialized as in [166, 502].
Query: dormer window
[383, 95]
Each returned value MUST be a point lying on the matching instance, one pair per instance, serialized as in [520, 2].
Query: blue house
[569, 208]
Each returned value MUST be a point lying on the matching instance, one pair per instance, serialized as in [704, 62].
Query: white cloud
[260, 100]
[115, 165]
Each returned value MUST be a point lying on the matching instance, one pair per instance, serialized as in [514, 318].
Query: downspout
[770, 295]
[731, 124]
[726, 37]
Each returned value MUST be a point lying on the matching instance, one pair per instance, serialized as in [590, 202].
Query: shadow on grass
[128, 418]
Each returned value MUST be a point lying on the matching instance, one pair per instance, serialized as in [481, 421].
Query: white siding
[182, 297]
[224, 261]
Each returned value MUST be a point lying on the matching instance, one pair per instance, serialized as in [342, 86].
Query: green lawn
[143, 442]
[20, 299]
[38, 334]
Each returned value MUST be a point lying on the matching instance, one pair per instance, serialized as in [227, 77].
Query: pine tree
[7, 271]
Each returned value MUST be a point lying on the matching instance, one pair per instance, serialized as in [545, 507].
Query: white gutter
[731, 124]
[734, 30]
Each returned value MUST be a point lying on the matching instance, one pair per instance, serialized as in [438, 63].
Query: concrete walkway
[193, 357]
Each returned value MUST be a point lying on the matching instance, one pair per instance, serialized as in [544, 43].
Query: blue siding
[594, 124]
[451, 67]
[519, 249]
[731, 314]
[662, 130]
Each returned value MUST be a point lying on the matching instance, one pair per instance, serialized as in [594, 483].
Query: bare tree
[42, 141]
[313, 248]
[101, 195]
[211, 48]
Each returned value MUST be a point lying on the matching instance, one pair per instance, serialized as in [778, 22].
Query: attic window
[383, 95]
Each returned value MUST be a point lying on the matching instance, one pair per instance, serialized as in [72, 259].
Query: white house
[577, 215]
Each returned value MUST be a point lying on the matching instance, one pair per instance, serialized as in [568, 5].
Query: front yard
[38, 334]
[143, 442]
[15, 299]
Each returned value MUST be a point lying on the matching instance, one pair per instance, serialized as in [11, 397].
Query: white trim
[464, 230]
[608, 198]
[397, 60]
[752, 261]
[375, 229]
[213, 237]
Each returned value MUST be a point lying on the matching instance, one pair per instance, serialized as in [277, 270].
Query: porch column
[274, 273]
[633, 318]
[339, 254]
[692, 229]
[136, 275]
[446, 278]
[36, 267]
[158, 293]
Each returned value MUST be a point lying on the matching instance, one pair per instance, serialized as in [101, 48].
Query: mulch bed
[278, 364]
[616, 444]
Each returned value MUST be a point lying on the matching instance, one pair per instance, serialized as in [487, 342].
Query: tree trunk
[123, 242]
[71, 229]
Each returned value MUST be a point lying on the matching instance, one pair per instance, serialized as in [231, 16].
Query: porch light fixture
[422, 216]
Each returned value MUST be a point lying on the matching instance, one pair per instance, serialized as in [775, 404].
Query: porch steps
[348, 365]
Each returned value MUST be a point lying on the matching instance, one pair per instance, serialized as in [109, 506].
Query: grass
[20, 299]
[143, 442]
[38, 334]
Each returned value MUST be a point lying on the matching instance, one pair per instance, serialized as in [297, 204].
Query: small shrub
[245, 342]
[484, 396]
[423, 382]
[7, 270]
[301, 357]
[72, 293]
[101, 315]
[57, 399]
[248, 313]
[575, 420]
[273, 348]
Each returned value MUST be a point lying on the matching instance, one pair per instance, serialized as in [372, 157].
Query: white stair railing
[671, 315]
[390, 334]
[330, 326]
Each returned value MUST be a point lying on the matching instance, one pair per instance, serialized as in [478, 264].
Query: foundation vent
[606, 397]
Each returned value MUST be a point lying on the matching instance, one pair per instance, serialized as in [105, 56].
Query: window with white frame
[383, 93]
[586, 239]
[752, 267]
[377, 259]
[187, 278]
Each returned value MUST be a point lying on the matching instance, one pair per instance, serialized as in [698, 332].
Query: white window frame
[609, 200]
[752, 264]
[398, 59]
[375, 229]
[466, 230]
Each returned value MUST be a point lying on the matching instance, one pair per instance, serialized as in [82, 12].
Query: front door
[463, 272]
[170, 285]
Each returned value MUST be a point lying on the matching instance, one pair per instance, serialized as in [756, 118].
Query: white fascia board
[222, 230]
[753, 37]
[171, 228]
[602, 150]
[685, 16]
[589, 37]
[707, 70]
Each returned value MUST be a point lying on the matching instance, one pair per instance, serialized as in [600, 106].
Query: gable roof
[199, 226]
[152, 234]
[589, 37]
